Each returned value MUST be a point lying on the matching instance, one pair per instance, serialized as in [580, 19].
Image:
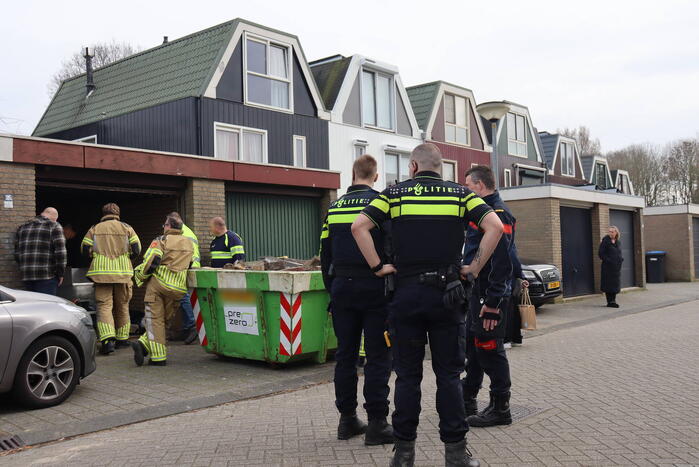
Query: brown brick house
[675, 230]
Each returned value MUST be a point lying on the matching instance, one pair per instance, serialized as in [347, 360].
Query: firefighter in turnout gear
[427, 226]
[111, 245]
[485, 348]
[358, 304]
[164, 271]
[226, 247]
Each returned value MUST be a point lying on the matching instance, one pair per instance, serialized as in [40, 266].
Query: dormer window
[456, 119]
[268, 73]
[567, 152]
[377, 99]
[601, 178]
[516, 135]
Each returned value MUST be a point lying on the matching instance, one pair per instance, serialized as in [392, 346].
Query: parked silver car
[47, 344]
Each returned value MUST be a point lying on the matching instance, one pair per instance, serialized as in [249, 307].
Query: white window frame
[515, 140]
[87, 139]
[391, 96]
[301, 138]
[456, 169]
[290, 70]
[358, 148]
[455, 125]
[241, 130]
[508, 178]
[400, 155]
[563, 158]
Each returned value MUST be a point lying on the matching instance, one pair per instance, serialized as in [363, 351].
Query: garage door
[695, 230]
[576, 245]
[624, 221]
[275, 225]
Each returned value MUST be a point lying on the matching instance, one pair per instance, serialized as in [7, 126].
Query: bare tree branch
[587, 145]
[104, 54]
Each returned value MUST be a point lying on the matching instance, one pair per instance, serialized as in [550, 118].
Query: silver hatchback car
[47, 344]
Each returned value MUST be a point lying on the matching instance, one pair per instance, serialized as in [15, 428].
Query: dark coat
[610, 254]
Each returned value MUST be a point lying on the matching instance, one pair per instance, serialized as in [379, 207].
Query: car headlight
[82, 314]
[529, 275]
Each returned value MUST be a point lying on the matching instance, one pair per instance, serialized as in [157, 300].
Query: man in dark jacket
[491, 294]
[40, 251]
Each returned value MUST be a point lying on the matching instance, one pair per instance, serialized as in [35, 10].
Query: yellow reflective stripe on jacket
[171, 279]
[380, 203]
[88, 241]
[134, 239]
[102, 265]
[325, 232]
[342, 218]
[472, 203]
[237, 250]
[196, 256]
[221, 254]
[152, 252]
[345, 209]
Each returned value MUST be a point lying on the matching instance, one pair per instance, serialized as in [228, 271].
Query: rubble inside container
[274, 263]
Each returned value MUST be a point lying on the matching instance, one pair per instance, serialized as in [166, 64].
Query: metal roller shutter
[624, 221]
[576, 246]
[274, 225]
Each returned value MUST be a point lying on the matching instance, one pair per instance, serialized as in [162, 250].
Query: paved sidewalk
[119, 393]
[618, 392]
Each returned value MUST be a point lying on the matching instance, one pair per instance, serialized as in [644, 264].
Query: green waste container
[273, 316]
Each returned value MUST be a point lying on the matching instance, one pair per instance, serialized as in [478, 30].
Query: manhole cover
[519, 412]
[10, 442]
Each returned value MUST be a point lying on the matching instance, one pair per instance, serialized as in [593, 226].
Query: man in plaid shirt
[40, 250]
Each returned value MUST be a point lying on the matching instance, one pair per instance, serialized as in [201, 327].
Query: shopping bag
[527, 311]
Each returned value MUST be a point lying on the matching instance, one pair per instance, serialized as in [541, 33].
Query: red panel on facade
[285, 176]
[464, 157]
[47, 153]
[145, 162]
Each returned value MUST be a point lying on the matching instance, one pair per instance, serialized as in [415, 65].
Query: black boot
[120, 344]
[378, 432]
[403, 454]
[158, 363]
[350, 426]
[470, 402]
[107, 347]
[458, 455]
[497, 412]
[191, 335]
[139, 352]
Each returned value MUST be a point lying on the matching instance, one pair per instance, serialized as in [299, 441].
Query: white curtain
[278, 62]
[252, 147]
[227, 143]
[368, 98]
[383, 102]
[280, 94]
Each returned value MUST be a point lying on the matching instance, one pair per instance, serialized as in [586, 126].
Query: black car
[544, 282]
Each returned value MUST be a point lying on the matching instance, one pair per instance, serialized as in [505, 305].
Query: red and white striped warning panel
[289, 324]
[198, 319]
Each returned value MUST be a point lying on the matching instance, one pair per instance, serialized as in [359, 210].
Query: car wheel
[47, 373]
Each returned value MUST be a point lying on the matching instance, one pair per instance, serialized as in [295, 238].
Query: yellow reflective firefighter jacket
[111, 244]
[167, 259]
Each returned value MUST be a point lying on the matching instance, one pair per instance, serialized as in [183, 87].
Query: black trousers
[486, 355]
[611, 297]
[513, 322]
[416, 313]
[359, 305]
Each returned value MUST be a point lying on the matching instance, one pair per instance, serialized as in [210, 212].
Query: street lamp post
[494, 112]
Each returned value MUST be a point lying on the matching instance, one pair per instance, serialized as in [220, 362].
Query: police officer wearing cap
[358, 304]
[427, 217]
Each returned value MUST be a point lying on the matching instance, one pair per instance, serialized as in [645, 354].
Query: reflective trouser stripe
[362, 352]
[156, 352]
[106, 331]
[122, 333]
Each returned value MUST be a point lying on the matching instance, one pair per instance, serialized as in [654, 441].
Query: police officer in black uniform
[427, 225]
[485, 346]
[358, 305]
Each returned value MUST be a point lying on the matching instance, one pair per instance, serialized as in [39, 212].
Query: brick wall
[670, 233]
[639, 250]
[599, 217]
[203, 200]
[19, 181]
[538, 234]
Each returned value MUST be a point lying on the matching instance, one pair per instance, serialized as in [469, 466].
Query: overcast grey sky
[627, 69]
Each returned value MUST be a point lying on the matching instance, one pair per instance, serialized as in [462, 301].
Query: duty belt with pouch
[448, 280]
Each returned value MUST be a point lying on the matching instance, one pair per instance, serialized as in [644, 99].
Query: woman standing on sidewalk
[610, 254]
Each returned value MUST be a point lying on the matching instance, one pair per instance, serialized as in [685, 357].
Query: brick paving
[616, 392]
